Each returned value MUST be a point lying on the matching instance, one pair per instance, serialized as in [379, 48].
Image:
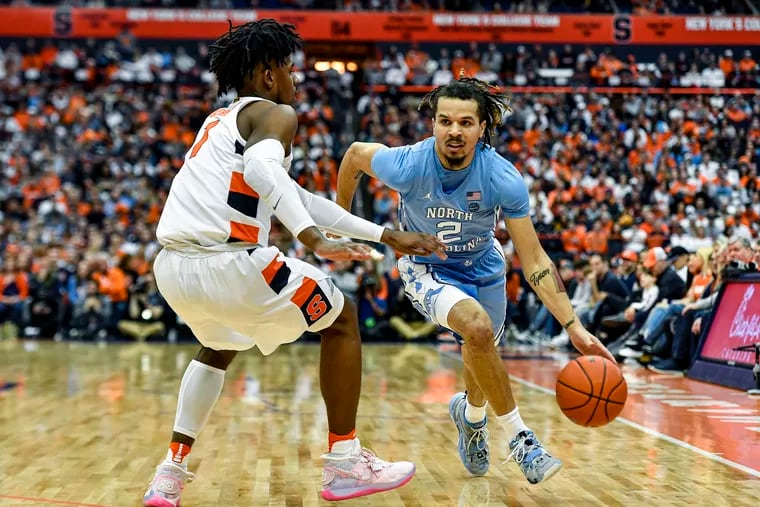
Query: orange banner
[696, 30]
[387, 27]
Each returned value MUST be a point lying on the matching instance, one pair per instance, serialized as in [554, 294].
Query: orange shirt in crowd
[726, 64]
[514, 287]
[747, 64]
[698, 285]
[113, 284]
[574, 239]
[22, 284]
[597, 242]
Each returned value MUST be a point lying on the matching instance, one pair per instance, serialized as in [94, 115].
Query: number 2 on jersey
[449, 231]
[203, 138]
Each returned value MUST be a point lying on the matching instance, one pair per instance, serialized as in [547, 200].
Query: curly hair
[235, 54]
[492, 105]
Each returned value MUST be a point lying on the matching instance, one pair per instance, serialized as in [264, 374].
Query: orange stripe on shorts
[244, 232]
[304, 291]
[271, 270]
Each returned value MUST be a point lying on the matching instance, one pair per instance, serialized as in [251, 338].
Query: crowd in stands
[650, 308]
[91, 135]
[610, 171]
[570, 65]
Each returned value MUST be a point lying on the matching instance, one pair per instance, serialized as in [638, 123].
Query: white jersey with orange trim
[210, 206]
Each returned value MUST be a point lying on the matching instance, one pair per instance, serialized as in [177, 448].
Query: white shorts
[237, 300]
[434, 296]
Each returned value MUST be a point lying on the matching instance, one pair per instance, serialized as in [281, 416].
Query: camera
[737, 268]
[369, 281]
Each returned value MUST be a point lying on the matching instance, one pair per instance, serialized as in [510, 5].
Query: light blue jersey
[461, 208]
[462, 216]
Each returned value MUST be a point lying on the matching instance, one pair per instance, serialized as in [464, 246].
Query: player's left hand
[414, 243]
[588, 344]
[342, 250]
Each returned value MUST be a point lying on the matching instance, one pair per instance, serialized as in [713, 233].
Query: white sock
[512, 422]
[345, 446]
[180, 460]
[198, 392]
[473, 414]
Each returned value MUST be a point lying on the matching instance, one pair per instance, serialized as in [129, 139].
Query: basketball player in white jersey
[235, 292]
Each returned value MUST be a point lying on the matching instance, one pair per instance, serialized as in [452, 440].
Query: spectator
[609, 294]
[652, 337]
[688, 327]
[344, 277]
[144, 317]
[372, 304]
[678, 257]
[14, 293]
[89, 315]
[627, 268]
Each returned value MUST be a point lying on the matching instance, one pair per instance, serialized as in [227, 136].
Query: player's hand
[342, 250]
[414, 243]
[588, 344]
[313, 239]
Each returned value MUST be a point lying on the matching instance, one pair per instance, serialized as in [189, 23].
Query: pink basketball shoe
[167, 485]
[361, 473]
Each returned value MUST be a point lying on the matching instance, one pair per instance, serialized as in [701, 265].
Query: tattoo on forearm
[558, 280]
[535, 278]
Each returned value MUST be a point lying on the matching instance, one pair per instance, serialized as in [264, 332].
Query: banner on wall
[387, 27]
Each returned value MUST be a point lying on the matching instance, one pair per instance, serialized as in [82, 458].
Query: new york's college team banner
[387, 27]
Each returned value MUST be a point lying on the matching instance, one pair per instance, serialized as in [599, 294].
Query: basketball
[591, 391]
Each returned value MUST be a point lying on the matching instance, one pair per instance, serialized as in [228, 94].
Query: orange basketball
[591, 391]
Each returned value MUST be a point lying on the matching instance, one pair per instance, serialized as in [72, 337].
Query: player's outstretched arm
[356, 161]
[263, 158]
[543, 276]
[335, 220]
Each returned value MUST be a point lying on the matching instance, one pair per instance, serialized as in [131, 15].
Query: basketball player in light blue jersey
[455, 185]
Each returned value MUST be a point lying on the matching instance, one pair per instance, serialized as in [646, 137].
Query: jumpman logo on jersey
[427, 196]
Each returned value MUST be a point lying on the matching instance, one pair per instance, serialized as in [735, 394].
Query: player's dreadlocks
[236, 54]
[491, 104]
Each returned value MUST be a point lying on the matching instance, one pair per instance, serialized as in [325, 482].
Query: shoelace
[375, 463]
[176, 471]
[521, 449]
[478, 435]
[366, 456]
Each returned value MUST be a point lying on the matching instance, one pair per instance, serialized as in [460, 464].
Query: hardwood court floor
[86, 425]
